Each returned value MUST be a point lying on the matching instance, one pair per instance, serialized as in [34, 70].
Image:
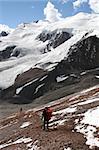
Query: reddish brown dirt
[54, 139]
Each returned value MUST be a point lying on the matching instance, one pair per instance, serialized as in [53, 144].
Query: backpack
[49, 113]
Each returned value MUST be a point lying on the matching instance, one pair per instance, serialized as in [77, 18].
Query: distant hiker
[46, 115]
[21, 113]
[20, 109]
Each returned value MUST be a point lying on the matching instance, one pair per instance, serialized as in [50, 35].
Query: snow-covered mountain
[58, 49]
[5, 30]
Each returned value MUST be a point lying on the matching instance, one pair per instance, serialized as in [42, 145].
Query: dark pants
[46, 124]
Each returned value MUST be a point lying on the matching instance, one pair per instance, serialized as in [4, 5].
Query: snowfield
[24, 37]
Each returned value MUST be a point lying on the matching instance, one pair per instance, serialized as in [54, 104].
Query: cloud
[64, 1]
[51, 13]
[78, 3]
[94, 5]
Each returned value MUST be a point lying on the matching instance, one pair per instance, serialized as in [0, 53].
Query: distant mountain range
[47, 60]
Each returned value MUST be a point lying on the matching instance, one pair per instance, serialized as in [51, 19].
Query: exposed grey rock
[55, 38]
[6, 53]
[84, 55]
[3, 33]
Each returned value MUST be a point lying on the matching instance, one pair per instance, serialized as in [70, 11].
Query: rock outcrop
[54, 38]
[4, 33]
[6, 53]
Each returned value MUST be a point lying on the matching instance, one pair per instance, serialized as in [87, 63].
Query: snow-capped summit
[5, 28]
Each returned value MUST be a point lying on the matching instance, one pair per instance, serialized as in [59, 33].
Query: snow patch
[19, 89]
[25, 124]
[21, 140]
[73, 75]
[38, 88]
[89, 89]
[43, 78]
[67, 148]
[97, 77]
[33, 146]
[61, 114]
[88, 101]
[91, 117]
[82, 73]
[67, 110]
[24, 140]
[88, 126]
[61, 78]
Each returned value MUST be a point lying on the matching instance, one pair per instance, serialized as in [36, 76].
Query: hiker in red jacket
[47, 114]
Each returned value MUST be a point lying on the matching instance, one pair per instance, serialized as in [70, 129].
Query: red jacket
[47, 113]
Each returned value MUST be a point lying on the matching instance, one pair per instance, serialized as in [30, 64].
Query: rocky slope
[74, 125]
[82, 57]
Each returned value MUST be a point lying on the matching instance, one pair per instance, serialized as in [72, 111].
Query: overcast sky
[14, 12]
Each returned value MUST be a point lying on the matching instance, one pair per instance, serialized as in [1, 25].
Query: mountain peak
[5, 28]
